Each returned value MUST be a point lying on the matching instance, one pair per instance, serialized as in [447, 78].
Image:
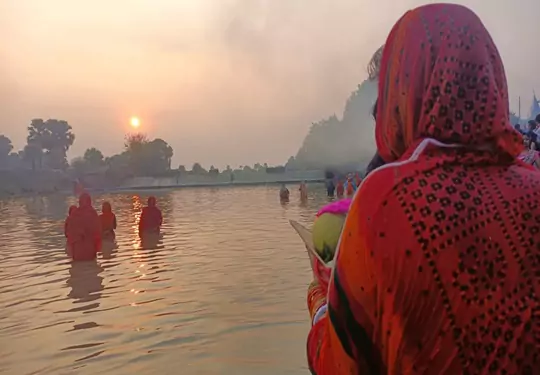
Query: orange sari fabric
[84, 231]
[437, 268]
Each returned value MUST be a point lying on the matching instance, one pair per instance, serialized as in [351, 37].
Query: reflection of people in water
[151, 241]
[303, 191]
[84, 231]
[108, 221]
[284, 193]
[85, 281]
[151, 218]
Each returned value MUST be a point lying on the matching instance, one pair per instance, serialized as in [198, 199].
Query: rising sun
[135, 122]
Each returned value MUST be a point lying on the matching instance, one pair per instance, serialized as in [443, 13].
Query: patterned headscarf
[442, 77]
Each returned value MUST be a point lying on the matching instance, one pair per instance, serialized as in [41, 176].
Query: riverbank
[31, 183]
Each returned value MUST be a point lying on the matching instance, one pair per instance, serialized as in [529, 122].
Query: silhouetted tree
[93, 157]
[198, 169]
[213, 171]
[33, 154]
[5, 146]
[53, 136]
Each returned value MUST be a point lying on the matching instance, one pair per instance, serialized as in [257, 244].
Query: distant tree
[53, 136]
[198, 169]
[247, 168]
[33, 154]
[257, 167]
[182, 169]
[5, 146]
[135, 142]
[93, 157]
[160, 153]
[79, 165]
[228, 169]
[213, 171]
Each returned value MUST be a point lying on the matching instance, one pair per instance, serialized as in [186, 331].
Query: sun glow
[135, 122]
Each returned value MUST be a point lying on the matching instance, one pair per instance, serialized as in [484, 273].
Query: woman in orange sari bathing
[108, 221]
[84, 231]
[438, 266]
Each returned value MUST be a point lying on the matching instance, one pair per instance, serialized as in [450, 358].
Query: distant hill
[338, 143]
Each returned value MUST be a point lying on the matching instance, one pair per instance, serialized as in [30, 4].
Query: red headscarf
[441, 77]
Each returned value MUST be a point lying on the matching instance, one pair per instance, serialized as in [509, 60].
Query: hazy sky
[222, 81]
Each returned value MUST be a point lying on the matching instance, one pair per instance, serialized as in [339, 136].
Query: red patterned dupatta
[435, 268]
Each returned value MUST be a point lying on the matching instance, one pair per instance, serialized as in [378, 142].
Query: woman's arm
[340, 340]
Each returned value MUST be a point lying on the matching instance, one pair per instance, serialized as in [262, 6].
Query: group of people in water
[437, 268]
[85, 229]
[334, 186]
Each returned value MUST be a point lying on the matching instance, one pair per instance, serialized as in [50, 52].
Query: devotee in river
[436, 271]
[303, 191]
[350, 186]
[84, 231]
[151, 218]
[340, 189]
[71, 210]
[108, 221]
[283, 193]
[330, 188]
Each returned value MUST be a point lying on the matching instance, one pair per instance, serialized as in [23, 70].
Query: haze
[222, 81]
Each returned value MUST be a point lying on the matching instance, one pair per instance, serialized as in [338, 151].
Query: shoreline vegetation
[41, 167]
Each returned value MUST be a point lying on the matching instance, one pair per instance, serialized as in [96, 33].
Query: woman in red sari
[151, 218]
[437, 271]
[84, 231]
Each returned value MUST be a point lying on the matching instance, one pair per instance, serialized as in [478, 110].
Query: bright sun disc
[134, 121]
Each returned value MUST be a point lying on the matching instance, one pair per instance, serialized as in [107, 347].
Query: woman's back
[458, 274]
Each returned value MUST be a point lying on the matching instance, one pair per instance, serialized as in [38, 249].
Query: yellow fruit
[326, 232]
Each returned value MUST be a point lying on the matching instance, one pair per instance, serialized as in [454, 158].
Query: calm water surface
[222, 292]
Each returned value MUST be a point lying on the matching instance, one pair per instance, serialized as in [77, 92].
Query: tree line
[48, 142]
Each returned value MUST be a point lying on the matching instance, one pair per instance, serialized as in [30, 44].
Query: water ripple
[221, 291]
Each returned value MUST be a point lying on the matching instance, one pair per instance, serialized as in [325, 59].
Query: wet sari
[438, 263]
[108, 221]
[84, 231]
[151, 218]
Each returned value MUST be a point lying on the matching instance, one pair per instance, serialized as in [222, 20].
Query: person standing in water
[330, 188]
[84, 231]
[151, 218]
[303, 191]
[108, 221]
[340, 189]
[350, 186]
[284, 193]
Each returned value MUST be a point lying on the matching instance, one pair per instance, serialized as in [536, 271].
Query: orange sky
[222, 81]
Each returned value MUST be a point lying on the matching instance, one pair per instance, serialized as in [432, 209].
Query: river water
[222, 292]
